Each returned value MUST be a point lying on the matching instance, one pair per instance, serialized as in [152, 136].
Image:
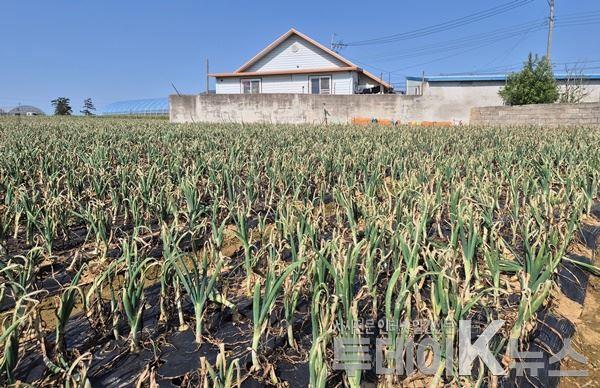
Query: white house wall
[341, 83]
[295, 53]
[228, 86]
[291, 83]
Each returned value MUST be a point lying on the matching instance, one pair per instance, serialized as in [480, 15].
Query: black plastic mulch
[552, 331]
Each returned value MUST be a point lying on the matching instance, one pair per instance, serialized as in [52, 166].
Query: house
[297, 64]
[482, 90]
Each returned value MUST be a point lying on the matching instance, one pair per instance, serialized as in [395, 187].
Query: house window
[320, 85]
[250, 86]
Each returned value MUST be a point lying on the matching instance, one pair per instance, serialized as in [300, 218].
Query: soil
[172, 358]
[586, 317]
[587, 341]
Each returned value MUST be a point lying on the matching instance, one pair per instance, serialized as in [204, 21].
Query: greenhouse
[26, 110]
[145, 107]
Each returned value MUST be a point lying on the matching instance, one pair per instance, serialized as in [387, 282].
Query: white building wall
[485, 93]
[291, 83]
[295, 53]
[228, 86]
[341, 83]
[413, 88]
[592, 88]
[473, 94]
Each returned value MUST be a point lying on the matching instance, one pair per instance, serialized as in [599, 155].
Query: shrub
[535, 84]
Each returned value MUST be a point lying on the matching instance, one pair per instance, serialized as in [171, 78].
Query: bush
[535, 84]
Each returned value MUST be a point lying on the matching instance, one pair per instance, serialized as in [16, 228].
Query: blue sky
[114, 50]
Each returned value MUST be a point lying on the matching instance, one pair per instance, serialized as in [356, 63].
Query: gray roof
[25, 109]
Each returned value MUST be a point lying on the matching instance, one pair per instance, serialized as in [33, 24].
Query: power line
[492, 36]
[441, 27]
[505, 54]
[461, 43]
[470, 49]
[476, 44]
[520, 31]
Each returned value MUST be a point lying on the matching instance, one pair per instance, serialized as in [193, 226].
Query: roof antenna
[336, 46]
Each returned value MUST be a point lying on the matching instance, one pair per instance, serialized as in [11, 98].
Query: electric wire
[441, 27]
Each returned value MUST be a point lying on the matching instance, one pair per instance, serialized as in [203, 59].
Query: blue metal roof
[489, 77]
[149, 106]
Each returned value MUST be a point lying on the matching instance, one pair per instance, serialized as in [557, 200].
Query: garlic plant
[319, 225]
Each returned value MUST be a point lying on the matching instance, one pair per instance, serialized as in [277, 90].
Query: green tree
[62, 106]
[88, 107]
[535, 84]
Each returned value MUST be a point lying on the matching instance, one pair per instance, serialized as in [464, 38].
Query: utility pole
[207, 78]
[550, 30]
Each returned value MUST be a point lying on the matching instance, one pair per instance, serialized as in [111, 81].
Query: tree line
[62, 107]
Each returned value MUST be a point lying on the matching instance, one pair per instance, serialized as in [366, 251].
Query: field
[137, 252]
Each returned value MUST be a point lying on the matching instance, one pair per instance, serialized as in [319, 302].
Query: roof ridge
[292, 31]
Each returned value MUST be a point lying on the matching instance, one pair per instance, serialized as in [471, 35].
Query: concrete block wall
[312, 109]
[543, 115]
